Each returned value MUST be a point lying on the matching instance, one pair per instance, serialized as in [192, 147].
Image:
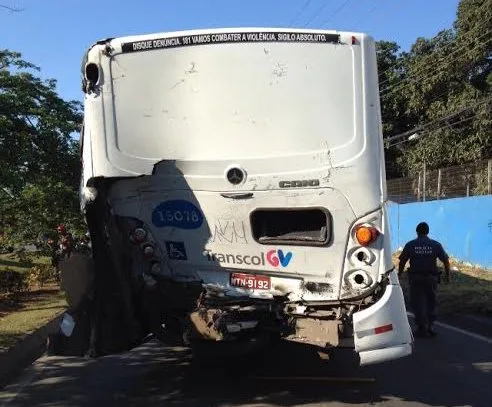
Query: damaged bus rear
[234, 188]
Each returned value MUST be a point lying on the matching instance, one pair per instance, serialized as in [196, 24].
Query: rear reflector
[379, 330]
[383, 329]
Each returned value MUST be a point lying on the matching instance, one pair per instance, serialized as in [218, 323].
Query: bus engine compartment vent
[297, 226]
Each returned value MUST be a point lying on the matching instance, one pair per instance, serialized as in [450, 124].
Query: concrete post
[424, 183]
[438, 184]
[489, 177]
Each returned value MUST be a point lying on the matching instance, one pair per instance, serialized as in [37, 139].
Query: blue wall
[462, 225]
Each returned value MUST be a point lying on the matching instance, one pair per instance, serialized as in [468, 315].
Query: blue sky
[54, 34]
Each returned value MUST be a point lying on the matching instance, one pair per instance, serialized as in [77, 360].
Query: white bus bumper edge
[382, 331]
[370, 357]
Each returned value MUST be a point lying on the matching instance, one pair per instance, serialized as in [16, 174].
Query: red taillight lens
[365, 234]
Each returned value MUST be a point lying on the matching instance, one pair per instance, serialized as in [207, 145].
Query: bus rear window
[300, 226]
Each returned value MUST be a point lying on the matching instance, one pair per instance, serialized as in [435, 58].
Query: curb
[26, 351]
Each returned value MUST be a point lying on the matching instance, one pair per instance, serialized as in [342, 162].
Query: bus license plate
[250, 281]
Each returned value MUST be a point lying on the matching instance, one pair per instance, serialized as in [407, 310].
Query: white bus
[234, 188]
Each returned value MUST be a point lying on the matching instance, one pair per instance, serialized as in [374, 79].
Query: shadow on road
[157, 375]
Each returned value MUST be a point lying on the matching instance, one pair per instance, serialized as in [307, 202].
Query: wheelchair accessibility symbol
[176, 251]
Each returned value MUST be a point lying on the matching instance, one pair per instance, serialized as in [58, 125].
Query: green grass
[13, 262]
[470, 290]
[24, 313]
[28, 312]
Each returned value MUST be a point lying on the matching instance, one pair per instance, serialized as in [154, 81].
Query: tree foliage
[38, 208]
[442, 88]
[39, 159]
[36, 127]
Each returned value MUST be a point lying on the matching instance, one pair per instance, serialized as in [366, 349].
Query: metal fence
[453, 182]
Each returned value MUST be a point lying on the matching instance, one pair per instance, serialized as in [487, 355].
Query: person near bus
[53, 250]
[66, 241]
[424, 277]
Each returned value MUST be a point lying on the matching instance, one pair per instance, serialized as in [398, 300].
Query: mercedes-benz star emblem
[235, 176]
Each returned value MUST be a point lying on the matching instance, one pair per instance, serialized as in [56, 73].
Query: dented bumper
[382, 331]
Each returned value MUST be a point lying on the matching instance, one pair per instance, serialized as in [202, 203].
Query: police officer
[423, 277]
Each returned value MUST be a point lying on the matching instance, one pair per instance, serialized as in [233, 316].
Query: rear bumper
[370, 357]
[394, 340]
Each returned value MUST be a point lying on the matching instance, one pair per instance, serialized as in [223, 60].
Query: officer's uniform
[423, 277]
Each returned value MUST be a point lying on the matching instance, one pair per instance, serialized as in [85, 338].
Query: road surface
[454, 369]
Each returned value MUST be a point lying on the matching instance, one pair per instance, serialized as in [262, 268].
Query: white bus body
[225, 174]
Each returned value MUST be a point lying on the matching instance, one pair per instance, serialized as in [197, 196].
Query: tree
[36, 126]
[391, 72]
[394, 113]
[473, 28]
[39, 159]
[445, 89]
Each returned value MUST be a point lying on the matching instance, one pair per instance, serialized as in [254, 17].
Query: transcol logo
[274, 258]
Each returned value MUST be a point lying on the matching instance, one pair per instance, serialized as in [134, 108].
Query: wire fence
[452, 182]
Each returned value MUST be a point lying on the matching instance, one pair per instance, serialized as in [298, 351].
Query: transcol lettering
[273, 258]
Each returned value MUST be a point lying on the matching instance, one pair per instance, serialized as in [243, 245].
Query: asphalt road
[454, 369]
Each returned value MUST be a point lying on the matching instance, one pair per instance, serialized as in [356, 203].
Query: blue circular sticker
[177, 213]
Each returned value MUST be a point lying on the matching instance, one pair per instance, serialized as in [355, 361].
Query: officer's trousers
[423, 290]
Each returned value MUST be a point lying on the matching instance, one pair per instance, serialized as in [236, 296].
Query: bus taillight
[365, 234]
[148, 251]
[138, 235]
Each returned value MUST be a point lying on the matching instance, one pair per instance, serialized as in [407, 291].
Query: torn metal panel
[316, 332]
[206, 324]
[317, 287]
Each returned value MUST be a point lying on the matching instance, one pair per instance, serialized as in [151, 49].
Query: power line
[368, 12]
[299, 13]
[336, 12]
[427, 132]
[317, 14]
[374, 8]
[465, 36]
[440, 95]
[412, 78]
[447, 56]
[446, 92]
[450, 116]
[426, 125]
[11, 9]
[443, 59]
